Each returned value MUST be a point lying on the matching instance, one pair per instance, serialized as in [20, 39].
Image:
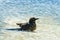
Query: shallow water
[48, 32]
[20, 11]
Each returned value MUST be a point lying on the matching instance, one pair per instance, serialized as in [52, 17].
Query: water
[20, 11]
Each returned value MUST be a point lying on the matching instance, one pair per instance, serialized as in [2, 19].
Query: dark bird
[30, 26]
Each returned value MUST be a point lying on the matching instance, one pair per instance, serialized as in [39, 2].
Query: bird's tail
[20, 24]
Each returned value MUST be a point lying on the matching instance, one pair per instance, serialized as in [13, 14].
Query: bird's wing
[22, 24]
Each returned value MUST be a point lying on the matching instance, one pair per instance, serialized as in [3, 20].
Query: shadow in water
[16, 29]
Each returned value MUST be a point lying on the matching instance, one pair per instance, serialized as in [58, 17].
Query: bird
[30, 26]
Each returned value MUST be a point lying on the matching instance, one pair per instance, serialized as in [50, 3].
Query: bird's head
[33, 19]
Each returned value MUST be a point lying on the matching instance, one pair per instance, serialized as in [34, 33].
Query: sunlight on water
[20, 11]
